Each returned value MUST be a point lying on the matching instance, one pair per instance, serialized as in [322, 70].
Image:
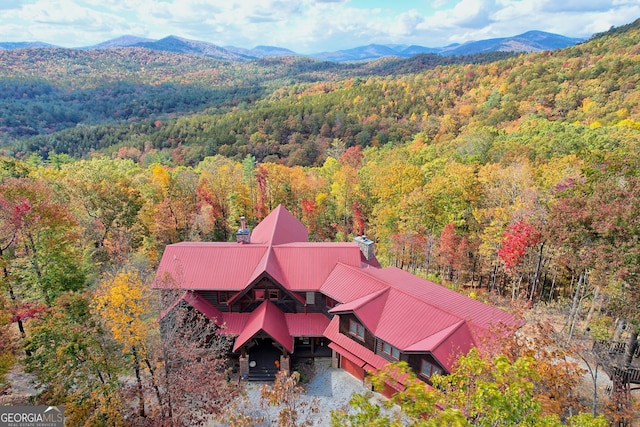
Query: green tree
[41, 250]
[75, 364]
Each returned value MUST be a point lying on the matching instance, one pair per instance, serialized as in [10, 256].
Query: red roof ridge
[356, 270]
[268, 318]
[446, 333]
[359, 302]
[367, 308]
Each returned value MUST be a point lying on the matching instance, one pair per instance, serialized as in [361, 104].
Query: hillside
[301, 105]
[47, 90]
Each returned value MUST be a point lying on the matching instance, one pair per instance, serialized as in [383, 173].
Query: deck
[611, 355]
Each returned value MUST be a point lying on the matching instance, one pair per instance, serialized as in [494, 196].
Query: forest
[512, 179]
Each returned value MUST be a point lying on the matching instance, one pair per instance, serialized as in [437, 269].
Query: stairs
[262, 374]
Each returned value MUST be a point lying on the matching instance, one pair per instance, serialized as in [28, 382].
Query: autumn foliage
[517, 239]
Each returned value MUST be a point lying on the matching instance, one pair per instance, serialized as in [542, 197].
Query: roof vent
[366, 246]
[243, 235]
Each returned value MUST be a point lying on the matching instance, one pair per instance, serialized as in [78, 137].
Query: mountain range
[530, 41]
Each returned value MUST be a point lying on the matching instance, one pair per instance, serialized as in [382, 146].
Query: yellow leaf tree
[122, 303]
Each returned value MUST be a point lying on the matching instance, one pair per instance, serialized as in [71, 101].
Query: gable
[275, 284]
[268, 318]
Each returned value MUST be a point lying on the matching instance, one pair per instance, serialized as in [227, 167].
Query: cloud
[11, 4]
[582, 6]
[306, 26]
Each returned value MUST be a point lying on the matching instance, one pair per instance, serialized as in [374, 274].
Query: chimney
[243, 235]
[366, 246]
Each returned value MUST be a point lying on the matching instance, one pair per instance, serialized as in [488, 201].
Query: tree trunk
[575, 305]
[536, 276]
[553, 284]
[493, 277]
[136, 367]
[515, 290]
[154, 382]
[595, 305]
[429, 247]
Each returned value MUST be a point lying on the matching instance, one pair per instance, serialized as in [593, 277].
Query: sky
[306, 26]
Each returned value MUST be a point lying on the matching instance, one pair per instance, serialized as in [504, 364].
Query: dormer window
[356, 329]
[258, 294]
[390, 351]
[427, 369]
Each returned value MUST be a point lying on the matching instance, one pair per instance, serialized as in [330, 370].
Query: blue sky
[306, 26]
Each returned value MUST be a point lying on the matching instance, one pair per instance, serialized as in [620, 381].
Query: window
[310, 298]
[223, 297]
[427, 369]
[274, 294]
[390, 350]
[258, 294]
[330, 302]
[356, 329]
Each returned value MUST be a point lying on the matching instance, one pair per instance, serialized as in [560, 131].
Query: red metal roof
[298, 265]
[345, 284]
[333, 333]
[305, 266]
[476, 312]
[410, 313]
[459, 342]
[352, 357]
[407, 312]
[198, 302]
[306, 324]
[202, 266]
[233, 323]
[268, 318]
[368, 308]
[279, 227]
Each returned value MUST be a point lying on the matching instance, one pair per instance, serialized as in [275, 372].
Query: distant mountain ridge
[23, 45]
[531, 41]
[123, 41]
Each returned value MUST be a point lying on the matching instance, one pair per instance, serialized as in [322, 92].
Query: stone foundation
[244, 367]
[285, 364]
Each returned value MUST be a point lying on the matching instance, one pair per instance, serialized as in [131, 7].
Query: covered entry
[263, 359]
[264, 340]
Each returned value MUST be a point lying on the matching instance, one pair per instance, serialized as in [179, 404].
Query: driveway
[329, 389]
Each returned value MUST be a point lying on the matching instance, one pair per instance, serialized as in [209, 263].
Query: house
[284, 299]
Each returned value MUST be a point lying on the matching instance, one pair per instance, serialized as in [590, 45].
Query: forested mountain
[513, 180]
[531, 41]
[290, 110]
[46, 90]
